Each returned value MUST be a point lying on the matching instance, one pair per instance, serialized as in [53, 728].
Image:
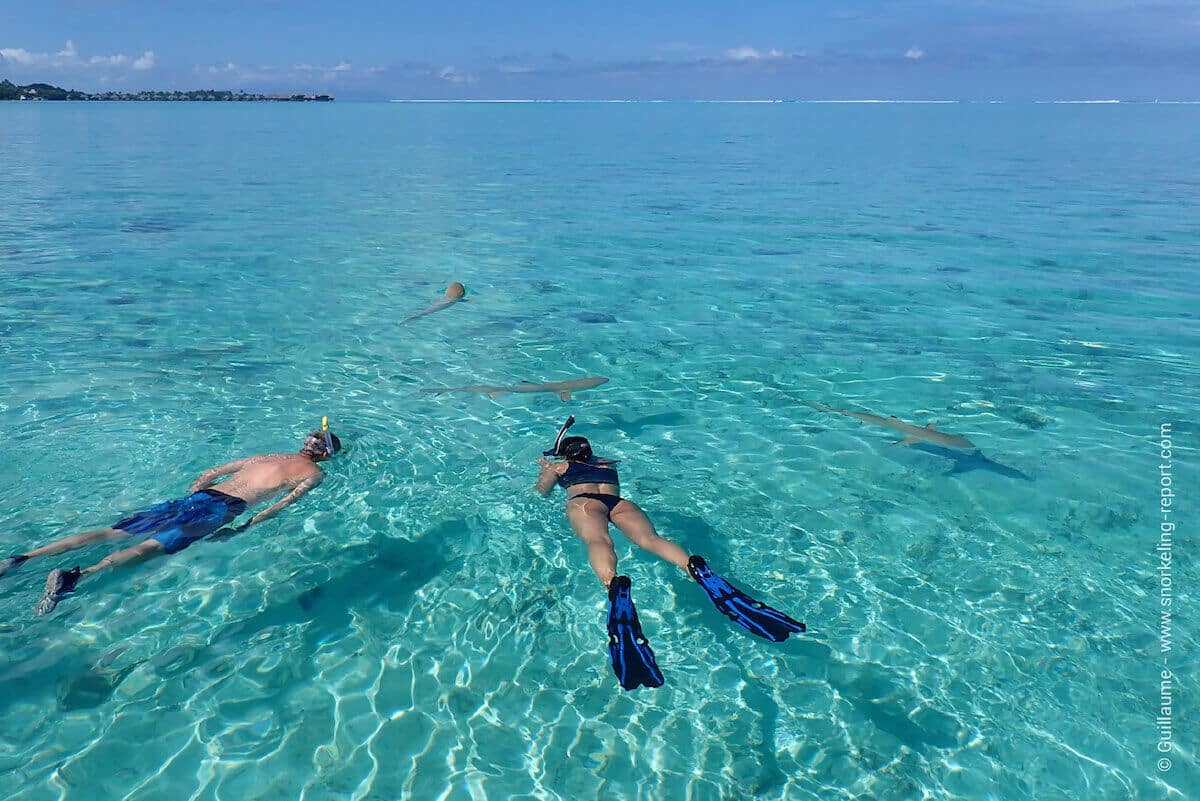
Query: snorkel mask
[562, 432]
[328, 437]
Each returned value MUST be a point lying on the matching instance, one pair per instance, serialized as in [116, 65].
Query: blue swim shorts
[177, 524]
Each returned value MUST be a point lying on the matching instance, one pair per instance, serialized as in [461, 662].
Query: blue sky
[357, 49]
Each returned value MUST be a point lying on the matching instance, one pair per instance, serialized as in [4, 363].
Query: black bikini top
[588, 473]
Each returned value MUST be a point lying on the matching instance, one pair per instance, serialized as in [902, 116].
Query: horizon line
[1083, 101]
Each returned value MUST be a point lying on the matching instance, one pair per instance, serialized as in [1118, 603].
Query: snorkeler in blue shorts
[172, 526]
[593, 502]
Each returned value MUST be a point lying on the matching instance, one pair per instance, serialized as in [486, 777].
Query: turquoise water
[186, 284]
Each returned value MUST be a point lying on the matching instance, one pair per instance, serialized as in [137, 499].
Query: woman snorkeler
[593, 501]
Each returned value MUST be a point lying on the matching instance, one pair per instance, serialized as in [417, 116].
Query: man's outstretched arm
[282, 503]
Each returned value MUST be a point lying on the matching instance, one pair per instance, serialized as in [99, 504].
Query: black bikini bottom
[610, 501]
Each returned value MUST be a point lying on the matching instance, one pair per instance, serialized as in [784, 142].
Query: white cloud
[751, 54]
[243, 74]
[296, 73]
[449, 73]
[215, 69]
[415, 70]
[70, 58]
[19, 55]
[327, 73]
[915, 53]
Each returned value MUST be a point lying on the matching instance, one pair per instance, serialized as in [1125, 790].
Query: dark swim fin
[632, 659]
[754, 616]
[12, 562]
[59, 584]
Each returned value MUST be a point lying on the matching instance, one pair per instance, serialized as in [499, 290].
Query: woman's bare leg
[634, 524]
[589, 519]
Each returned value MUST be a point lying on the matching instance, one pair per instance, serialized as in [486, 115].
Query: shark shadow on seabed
[634, 428]
[389, 572]
[970, 461]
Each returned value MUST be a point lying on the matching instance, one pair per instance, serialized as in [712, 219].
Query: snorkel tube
[328, 437]
[562, 432]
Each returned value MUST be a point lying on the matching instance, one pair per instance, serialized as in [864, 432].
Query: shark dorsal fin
[526, 382]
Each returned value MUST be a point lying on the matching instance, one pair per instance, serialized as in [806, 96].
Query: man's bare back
[259, 478]
[256, 479]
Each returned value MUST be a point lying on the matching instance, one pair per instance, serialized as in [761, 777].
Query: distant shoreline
[47, 92]
[500, 101]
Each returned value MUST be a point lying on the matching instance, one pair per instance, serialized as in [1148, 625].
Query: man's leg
[138, 553]
[78, 541]
[63, 545]
[62, 582]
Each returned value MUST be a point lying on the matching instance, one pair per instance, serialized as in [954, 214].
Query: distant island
[44, 91]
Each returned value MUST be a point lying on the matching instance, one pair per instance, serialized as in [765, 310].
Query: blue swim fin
[632, 659]
[754, 616]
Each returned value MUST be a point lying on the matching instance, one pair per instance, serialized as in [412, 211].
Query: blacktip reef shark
[562, 388]
[967, 457]
[454, 293]
[912, 434]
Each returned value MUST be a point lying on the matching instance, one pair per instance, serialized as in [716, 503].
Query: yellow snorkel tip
[328, 436]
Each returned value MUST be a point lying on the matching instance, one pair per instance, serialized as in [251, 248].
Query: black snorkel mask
[562, 432]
